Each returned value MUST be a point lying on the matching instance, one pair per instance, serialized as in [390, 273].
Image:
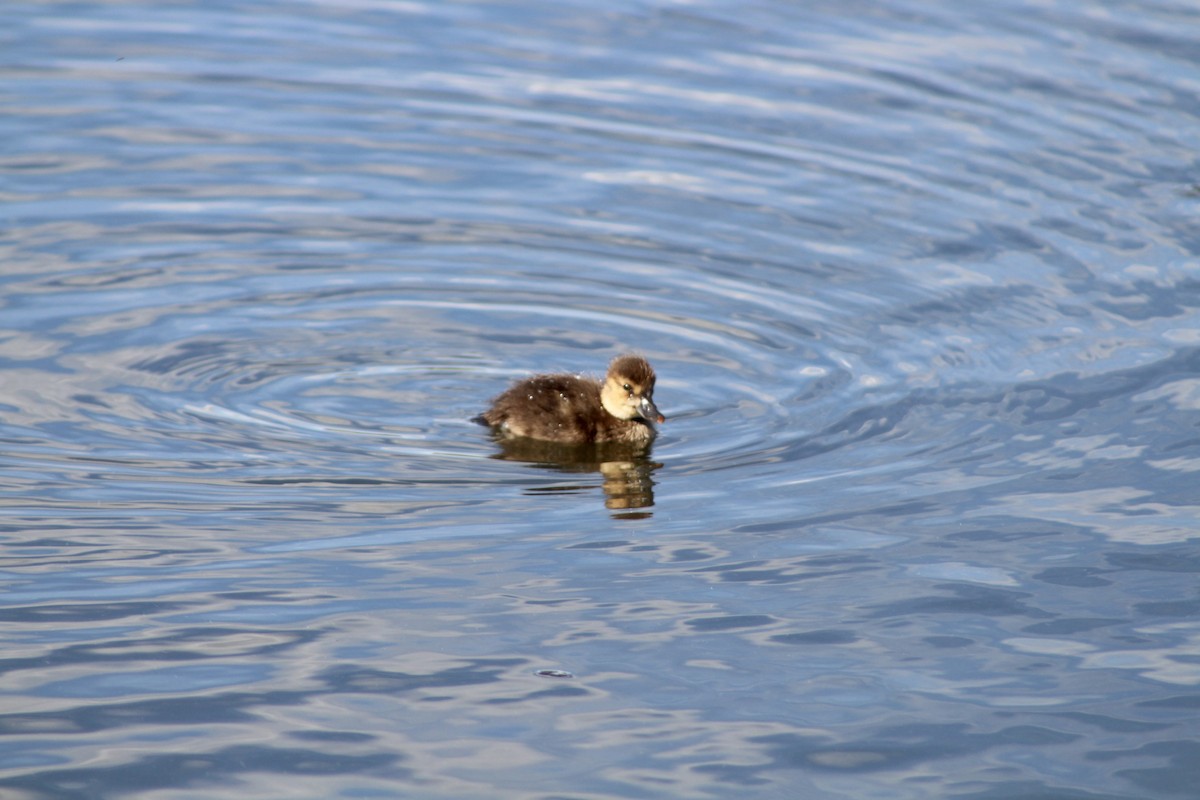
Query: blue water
[921, 284]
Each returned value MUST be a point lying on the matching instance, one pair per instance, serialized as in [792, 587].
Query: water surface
[920, 284]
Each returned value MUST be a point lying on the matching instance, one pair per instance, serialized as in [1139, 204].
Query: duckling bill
[573, 409]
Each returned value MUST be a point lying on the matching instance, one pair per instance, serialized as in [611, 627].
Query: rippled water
[920, 283]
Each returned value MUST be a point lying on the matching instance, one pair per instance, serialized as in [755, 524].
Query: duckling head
[628, 391]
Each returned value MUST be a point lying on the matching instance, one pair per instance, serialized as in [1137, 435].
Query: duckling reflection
[574, 423]
[626, 468]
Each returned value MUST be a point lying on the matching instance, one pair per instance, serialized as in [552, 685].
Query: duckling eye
[628, 388]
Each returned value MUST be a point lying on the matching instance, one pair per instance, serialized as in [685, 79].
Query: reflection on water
[920, 279]
[625, 468]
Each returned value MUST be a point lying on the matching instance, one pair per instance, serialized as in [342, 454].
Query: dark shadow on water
[626, 469]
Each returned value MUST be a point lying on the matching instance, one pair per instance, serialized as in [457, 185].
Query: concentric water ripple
[207, 395]
[288, 370]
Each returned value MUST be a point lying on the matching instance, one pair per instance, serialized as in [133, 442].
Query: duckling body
[573, 409]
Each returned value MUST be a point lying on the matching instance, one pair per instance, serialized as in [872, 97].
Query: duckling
[573, 409]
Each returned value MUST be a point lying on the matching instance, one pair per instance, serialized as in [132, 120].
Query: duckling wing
[560, 408]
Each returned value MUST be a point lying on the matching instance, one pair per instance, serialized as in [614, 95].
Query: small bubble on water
[554, 673]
